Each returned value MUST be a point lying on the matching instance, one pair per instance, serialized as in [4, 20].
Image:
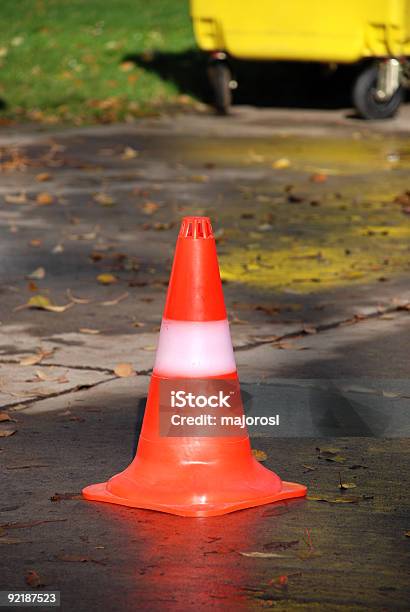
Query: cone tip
[196, 227]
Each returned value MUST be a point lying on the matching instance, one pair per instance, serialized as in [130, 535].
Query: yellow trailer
[375, 34]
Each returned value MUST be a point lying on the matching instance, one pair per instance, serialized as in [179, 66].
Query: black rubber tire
[220, 77]
[365, 101]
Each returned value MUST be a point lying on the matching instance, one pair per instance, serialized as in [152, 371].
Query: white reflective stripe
[191, 348]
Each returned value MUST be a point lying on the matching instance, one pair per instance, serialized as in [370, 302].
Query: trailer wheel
[220, 79]
[365, 98]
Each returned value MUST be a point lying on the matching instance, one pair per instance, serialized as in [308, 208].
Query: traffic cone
[204, 474]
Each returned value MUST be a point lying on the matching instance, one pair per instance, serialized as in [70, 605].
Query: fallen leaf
[44, 377]
[391, 394]
[44, 198]
[115, 301]
[6, 433]
[26, 466]
[330, 454]
[149, 208]
[309, 329]
[126, 66]
[34, 580]
[129, 153]
[77, 559]
[5, 417]
[104, 199]
[41, 302]
[309, 468]
[18, 198]
[281, 163]
[318, 177]
[280, 583]
[347, 485]
[124, 370]
[407, 534]
[4, 540]
[346, 499]
[261, 555]
[77, 300]
[158, 226]
[200, 178]
[64, 496]
[259, 455]
[106, 279]
[403, 199]
[31, 359]
[37, 274]
[42, 177]
[88, 330]
[280, 545]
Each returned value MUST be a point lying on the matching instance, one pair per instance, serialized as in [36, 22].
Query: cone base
[99, 492]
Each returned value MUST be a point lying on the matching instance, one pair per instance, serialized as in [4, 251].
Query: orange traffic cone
[210, 471]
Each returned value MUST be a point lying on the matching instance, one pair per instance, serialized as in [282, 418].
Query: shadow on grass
[264, 84]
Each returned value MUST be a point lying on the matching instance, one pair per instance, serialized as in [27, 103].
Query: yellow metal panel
[301, 29]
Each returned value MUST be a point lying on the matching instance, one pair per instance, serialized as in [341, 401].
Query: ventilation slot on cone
[196, 227]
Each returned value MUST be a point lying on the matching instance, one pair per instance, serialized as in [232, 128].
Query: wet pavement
[312, 222]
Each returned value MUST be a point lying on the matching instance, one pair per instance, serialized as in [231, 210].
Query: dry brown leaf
[34, 580]
[126, 66]
[26, 466]
[42, 177]
[37, 274]
[310, 329]
[44, 198]
[115, 301]
[31, 359]
[318, 177]
[129, 153]
[107, 279]
[124, 370]
[309, 468]
[77, 300]
[36, 243]
[44, 377]
[259, 454]
[281, 164]
[88, 330]
[347, 485]
[79, 559]
[149, 208]
[261, 555]
[346, 499]
[5, 417]
[19, 198]
[104, 199]
[42, 302]
[6, 433]
[330, 454]
[64, 496]
[4, 540]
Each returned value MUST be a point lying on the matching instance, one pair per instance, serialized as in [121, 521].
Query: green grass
[65, 60]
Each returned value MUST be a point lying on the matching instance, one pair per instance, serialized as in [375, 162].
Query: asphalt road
[310, 214]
